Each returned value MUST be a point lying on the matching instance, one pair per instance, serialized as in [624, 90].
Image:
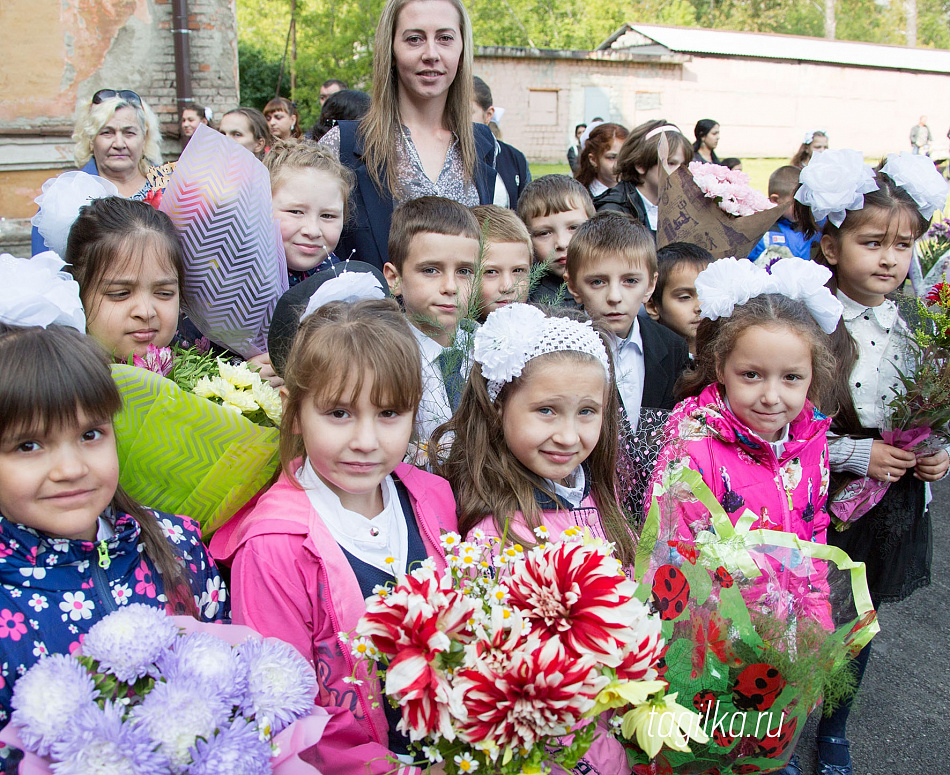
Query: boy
[433, 249]
[553, 207]
[783, 183]
[505, 266]
[611, 271]
[674, 302]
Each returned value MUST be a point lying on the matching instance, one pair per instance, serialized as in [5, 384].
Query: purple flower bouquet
[147, 696]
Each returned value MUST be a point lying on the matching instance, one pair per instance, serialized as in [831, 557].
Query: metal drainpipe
[182, 53]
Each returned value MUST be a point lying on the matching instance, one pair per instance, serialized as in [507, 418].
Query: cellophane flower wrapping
[167, 696]
[185, 454]
[497, 662]
[760, 628]
[219, 199]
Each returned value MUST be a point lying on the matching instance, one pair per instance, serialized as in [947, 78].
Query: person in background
[283, 119]
[247, 127]
[787, 232]
[920, 137]
[344, 105]
[707, 138]
[574, 150]
[732, 163]
[192, 115]
[502, 276]
[511, 163]
[597, 168]
[815, 141]
[331, 86]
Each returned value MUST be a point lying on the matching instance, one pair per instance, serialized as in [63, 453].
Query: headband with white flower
[347, 286]
[37, 292]
[919, 178]
[730, 282]
[810, 135]
[518, 333]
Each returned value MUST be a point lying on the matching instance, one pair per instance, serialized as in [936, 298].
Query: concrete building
[765, 90]
[58, 53]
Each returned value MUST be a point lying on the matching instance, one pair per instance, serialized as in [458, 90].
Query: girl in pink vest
[344, 517]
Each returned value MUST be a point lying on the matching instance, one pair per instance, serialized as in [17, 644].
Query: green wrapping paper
[753, 668]
[184, 454]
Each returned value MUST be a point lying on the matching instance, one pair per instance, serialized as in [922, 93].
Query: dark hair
[258, 124]
[804, 153]
[336, 348]
[889, 199]
[428, 214]
[673, 256]
[47, 377]
[641, 149]
[488, 479]
[334, 82]
[716, 339]
[609, 235]
[731, 162]
[579, 126]
[344, 105]
[702, 128]
[598, 143]
[482, 93]
[199, 109]
[288, 107]
[551, 194]
[114, 229]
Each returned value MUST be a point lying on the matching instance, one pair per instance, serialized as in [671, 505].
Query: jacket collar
[548, 501]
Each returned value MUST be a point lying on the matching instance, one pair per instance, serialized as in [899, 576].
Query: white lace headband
[730, 282]
[836, 181]
[661, 129]
[347, 286]
[518, 333]
[37, 292]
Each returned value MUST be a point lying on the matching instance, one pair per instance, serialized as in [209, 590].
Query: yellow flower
[241, 399]
[239, 376]
[269, 401]
[619, 693]
[216, 387]
[663, 722]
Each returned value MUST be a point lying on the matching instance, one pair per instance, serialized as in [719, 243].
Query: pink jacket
[787, 493]
[291, 580]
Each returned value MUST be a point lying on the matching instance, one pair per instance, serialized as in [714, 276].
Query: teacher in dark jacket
[418, 138]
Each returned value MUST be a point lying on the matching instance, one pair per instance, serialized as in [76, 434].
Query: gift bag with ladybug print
[759, 625]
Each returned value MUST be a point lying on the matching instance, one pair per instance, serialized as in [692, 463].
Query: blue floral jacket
[53, 590]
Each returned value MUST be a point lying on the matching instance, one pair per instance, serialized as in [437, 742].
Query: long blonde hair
[92, 118]
[381, 125]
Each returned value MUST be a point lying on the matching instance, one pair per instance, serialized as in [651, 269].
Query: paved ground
[901, 721]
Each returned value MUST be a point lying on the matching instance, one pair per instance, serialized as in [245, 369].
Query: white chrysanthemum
[213, 387]
[129, 642]
[239, 376]
[47, 698]
[242, 400]
[269, 400]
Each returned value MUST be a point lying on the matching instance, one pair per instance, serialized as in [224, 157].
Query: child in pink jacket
[747, 425]
[345, 517]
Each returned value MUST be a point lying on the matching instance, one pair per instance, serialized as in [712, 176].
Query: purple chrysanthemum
[100, 742]
[175, 714]
[280, 686]
[46, 699]
[207, 660]
[236, 750]
[128, 642]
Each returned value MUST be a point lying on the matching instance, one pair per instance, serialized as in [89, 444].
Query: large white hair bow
[347, 286]
[37, 292]
[731, 282]
[60, 202]
[919, 178]
[834, 182]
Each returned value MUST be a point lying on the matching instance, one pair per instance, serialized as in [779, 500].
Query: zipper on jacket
[100, 581]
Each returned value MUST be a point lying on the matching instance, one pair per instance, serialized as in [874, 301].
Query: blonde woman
[418, 138]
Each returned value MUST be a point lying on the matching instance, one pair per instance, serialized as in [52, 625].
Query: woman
[248, 128]
[707, 138]
[638, 167]
[116, 137]
[283, 118]
[418, 138]
[598, 159]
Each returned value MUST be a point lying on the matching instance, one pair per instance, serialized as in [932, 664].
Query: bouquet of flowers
[759, 625]
[196, 435]
[497, 662]
[731, 189]
[144, 696]
[934, 248]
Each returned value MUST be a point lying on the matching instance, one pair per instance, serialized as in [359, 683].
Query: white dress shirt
[573, 491]
[631, 372]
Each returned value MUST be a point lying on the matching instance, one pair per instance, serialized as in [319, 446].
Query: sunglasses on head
[125, 94]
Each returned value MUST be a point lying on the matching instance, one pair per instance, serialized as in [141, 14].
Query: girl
[868, 249]
[531, 447]
[283, 119]
[73, 545]
[706, 133]
[345, 515]
[598, 160]
[747, 423]
[815, 141]
[311, 196]
[247, 127]
[129, 264]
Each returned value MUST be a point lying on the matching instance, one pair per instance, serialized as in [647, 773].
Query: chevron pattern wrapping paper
[184, 454]
[235, 271]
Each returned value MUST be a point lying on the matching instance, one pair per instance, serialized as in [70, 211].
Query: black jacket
[665, 357]
[513, 168]
[624, 198]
